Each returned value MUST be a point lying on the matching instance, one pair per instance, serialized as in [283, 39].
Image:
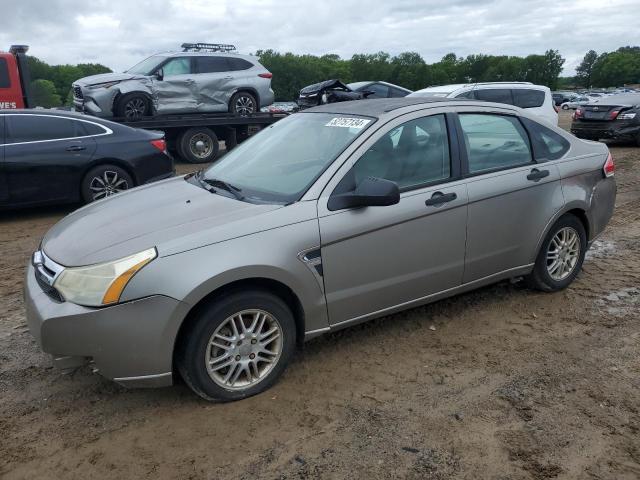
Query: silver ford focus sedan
[328, 218]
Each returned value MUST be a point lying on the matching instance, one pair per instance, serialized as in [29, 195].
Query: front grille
[77, 92]
[48, 289]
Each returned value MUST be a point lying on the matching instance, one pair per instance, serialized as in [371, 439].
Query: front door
[44, 155]
[378, 258]
[177, 91]
[511, 197]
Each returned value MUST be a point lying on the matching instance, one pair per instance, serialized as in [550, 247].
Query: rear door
[511, 196]
[216, 82]
[178, 90]
[45, 157]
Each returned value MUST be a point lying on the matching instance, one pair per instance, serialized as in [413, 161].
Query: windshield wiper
[217, 183]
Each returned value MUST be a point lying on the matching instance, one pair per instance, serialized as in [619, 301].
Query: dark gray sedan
[328, 218]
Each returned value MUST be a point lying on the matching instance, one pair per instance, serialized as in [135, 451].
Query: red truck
[14, 78]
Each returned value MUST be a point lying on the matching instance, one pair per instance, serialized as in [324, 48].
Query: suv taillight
[266, 75]
[160, 144]
[609, 168]
[577, 114]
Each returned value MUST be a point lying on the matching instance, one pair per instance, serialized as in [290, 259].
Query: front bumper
[97, 102]
[130, 343]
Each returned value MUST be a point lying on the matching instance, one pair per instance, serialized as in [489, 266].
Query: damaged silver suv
[202, 78]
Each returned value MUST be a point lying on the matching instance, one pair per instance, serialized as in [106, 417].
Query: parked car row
[614, 117]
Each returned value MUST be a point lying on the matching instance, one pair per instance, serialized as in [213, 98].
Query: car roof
[207, 54]
[52, 112]
[377, 107]
[457, 86]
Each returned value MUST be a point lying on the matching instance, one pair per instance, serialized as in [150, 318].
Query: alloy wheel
[107, 184]
[245, 105]
[134, 109]
[244, 349]
[563, 253]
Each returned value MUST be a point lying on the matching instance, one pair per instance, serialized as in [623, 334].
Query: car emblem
[595, 109]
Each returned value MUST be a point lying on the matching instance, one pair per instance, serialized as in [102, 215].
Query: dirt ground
[502, 383]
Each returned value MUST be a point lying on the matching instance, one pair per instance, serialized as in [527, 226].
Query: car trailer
[195, 136]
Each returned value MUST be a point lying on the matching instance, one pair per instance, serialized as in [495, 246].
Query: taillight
[613, 114]
[265, 75]
[578, 113]
[609, 168]
[160, 144]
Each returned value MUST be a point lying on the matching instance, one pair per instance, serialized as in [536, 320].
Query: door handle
[76, 148]
[536, 174]
[439, 198]
[227, 78]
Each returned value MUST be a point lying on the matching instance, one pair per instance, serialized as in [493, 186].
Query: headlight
[103, 283]
[104, 85]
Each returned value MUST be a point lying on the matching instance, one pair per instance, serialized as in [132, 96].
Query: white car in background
[577, 102]
[534, 98]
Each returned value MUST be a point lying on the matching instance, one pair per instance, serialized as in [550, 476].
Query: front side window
[496, 95]
[32, 128]
[414, 153]
[4, 74]
[527, 98]
[177, 66]
[494, 142]
[281, 162]
[212, 64]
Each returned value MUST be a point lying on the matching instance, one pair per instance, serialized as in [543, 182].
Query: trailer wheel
[198, 145]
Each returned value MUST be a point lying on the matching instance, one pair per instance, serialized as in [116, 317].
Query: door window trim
[463, 148]
[107, 130]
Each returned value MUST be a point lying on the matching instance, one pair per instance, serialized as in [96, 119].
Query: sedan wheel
[237, 345]
[563, 253]
[107, 184]
[243, 349]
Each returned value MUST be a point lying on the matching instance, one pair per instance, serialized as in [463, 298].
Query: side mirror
[371, 192]
[160, 74]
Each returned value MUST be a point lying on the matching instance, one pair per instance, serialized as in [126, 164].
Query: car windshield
[147, 66]
[281, 162]
[357, 85]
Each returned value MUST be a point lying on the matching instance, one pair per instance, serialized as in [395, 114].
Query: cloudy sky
[119, 33]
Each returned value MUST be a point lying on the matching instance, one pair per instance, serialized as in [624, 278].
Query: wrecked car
[616, 117]
[201, 78]
[329, 91]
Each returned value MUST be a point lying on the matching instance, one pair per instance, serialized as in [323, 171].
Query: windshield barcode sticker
[348, 122]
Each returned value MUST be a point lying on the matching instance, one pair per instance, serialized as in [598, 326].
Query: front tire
[104, 181]
[132, 107]
[237, 346]
[565, 107]
[561, 255]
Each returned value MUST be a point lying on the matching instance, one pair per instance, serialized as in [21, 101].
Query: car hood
[104, 78]
[172, 215]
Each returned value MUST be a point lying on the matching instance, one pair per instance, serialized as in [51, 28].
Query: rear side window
[547, 144]
[4, 74]
[91, 128]
[33, 128]
[212, 65]
[527, 98]
[379, 91]
[497, 95]
[494, 142]
[238, 64]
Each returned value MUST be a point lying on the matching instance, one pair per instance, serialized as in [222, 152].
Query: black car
[379, 89]
[53, 157]
[616, 117]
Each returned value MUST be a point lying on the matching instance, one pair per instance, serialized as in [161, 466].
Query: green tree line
[51, 84]
[609, 69]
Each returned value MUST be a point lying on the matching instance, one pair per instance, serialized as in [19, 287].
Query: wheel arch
[577, 210]
[121, 94]
[250, 90]
[108, 161]
[270, 285]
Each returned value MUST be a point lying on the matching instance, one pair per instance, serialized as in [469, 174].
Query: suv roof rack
[207, 47]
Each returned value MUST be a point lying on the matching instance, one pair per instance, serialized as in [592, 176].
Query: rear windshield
[528, 98]
[281, 162]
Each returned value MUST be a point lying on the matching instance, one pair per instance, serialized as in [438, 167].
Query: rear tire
[565, 107]
[561, 256]
[243, 103]
[228, 354]
[104, 181]
[198, 145]
[132, 107]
